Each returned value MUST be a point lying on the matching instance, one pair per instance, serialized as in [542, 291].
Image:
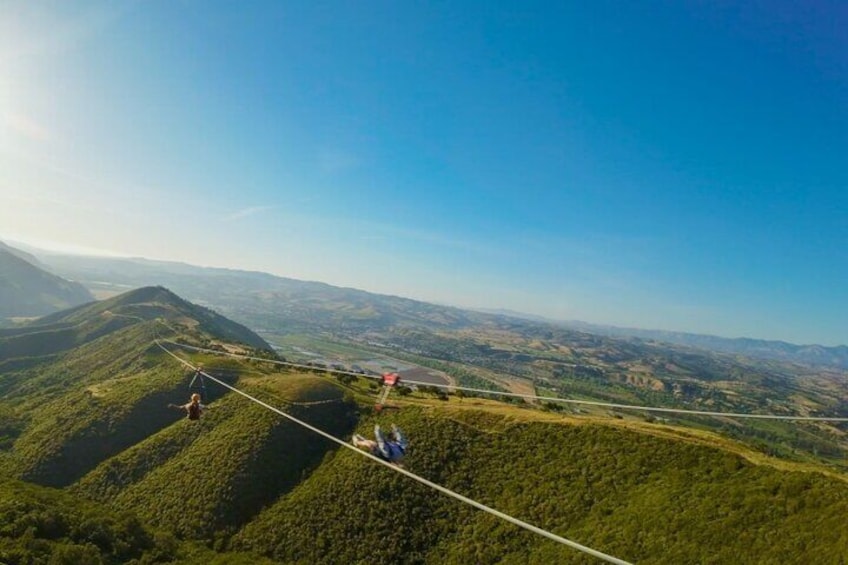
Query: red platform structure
[389, 381]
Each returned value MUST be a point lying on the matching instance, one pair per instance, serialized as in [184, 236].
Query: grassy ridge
[105, 358]
[204, 479]
[641, 497]
[91, 406]
[75, 409]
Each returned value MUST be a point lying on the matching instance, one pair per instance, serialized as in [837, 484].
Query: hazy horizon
[71, 251]
[674, 167]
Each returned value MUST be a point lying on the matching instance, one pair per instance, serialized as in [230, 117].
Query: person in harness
[193, 409]
[391, 448]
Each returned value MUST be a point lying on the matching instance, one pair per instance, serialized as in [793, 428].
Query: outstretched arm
[401, 439]
[381, 442]
[378, 433]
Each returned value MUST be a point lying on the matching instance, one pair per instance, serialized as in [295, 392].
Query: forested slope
[41, 525]
[635, 495]
[44, 525]
[94, 419]
[80, 386]
[91, 404]
[204, 479]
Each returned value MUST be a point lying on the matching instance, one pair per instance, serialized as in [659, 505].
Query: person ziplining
[401, 442]
[196, 405]
[392, 448]
[194, 408]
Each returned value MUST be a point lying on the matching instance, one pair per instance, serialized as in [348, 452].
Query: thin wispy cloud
[246, 212]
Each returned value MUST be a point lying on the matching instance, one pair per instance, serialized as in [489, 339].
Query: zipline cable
[422, 480]
[533, 396]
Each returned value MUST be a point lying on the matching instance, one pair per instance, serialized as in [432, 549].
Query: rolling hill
[28, 257]
[88, 414]
[313, 321]
[64, 365]
[263, 301]
[278, 304]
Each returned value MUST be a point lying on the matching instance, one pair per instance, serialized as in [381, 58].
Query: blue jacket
[390, 449]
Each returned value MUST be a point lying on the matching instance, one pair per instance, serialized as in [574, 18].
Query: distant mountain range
[816, 355]
[27, 289]
[263, 301]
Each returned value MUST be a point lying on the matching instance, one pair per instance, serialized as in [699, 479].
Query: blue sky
[673, 165]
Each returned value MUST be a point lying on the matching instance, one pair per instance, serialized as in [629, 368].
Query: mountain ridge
[27, 290]
[87, 322]
[232, 290]
[835, 356]
[28, 257]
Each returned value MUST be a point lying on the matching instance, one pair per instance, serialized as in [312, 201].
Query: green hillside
[628, 492]
[150, 303]
[313, 322]
[206, 480]
[90, 415]
[44, 525]
[73, 406]
[41, 525]
[86, 323]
